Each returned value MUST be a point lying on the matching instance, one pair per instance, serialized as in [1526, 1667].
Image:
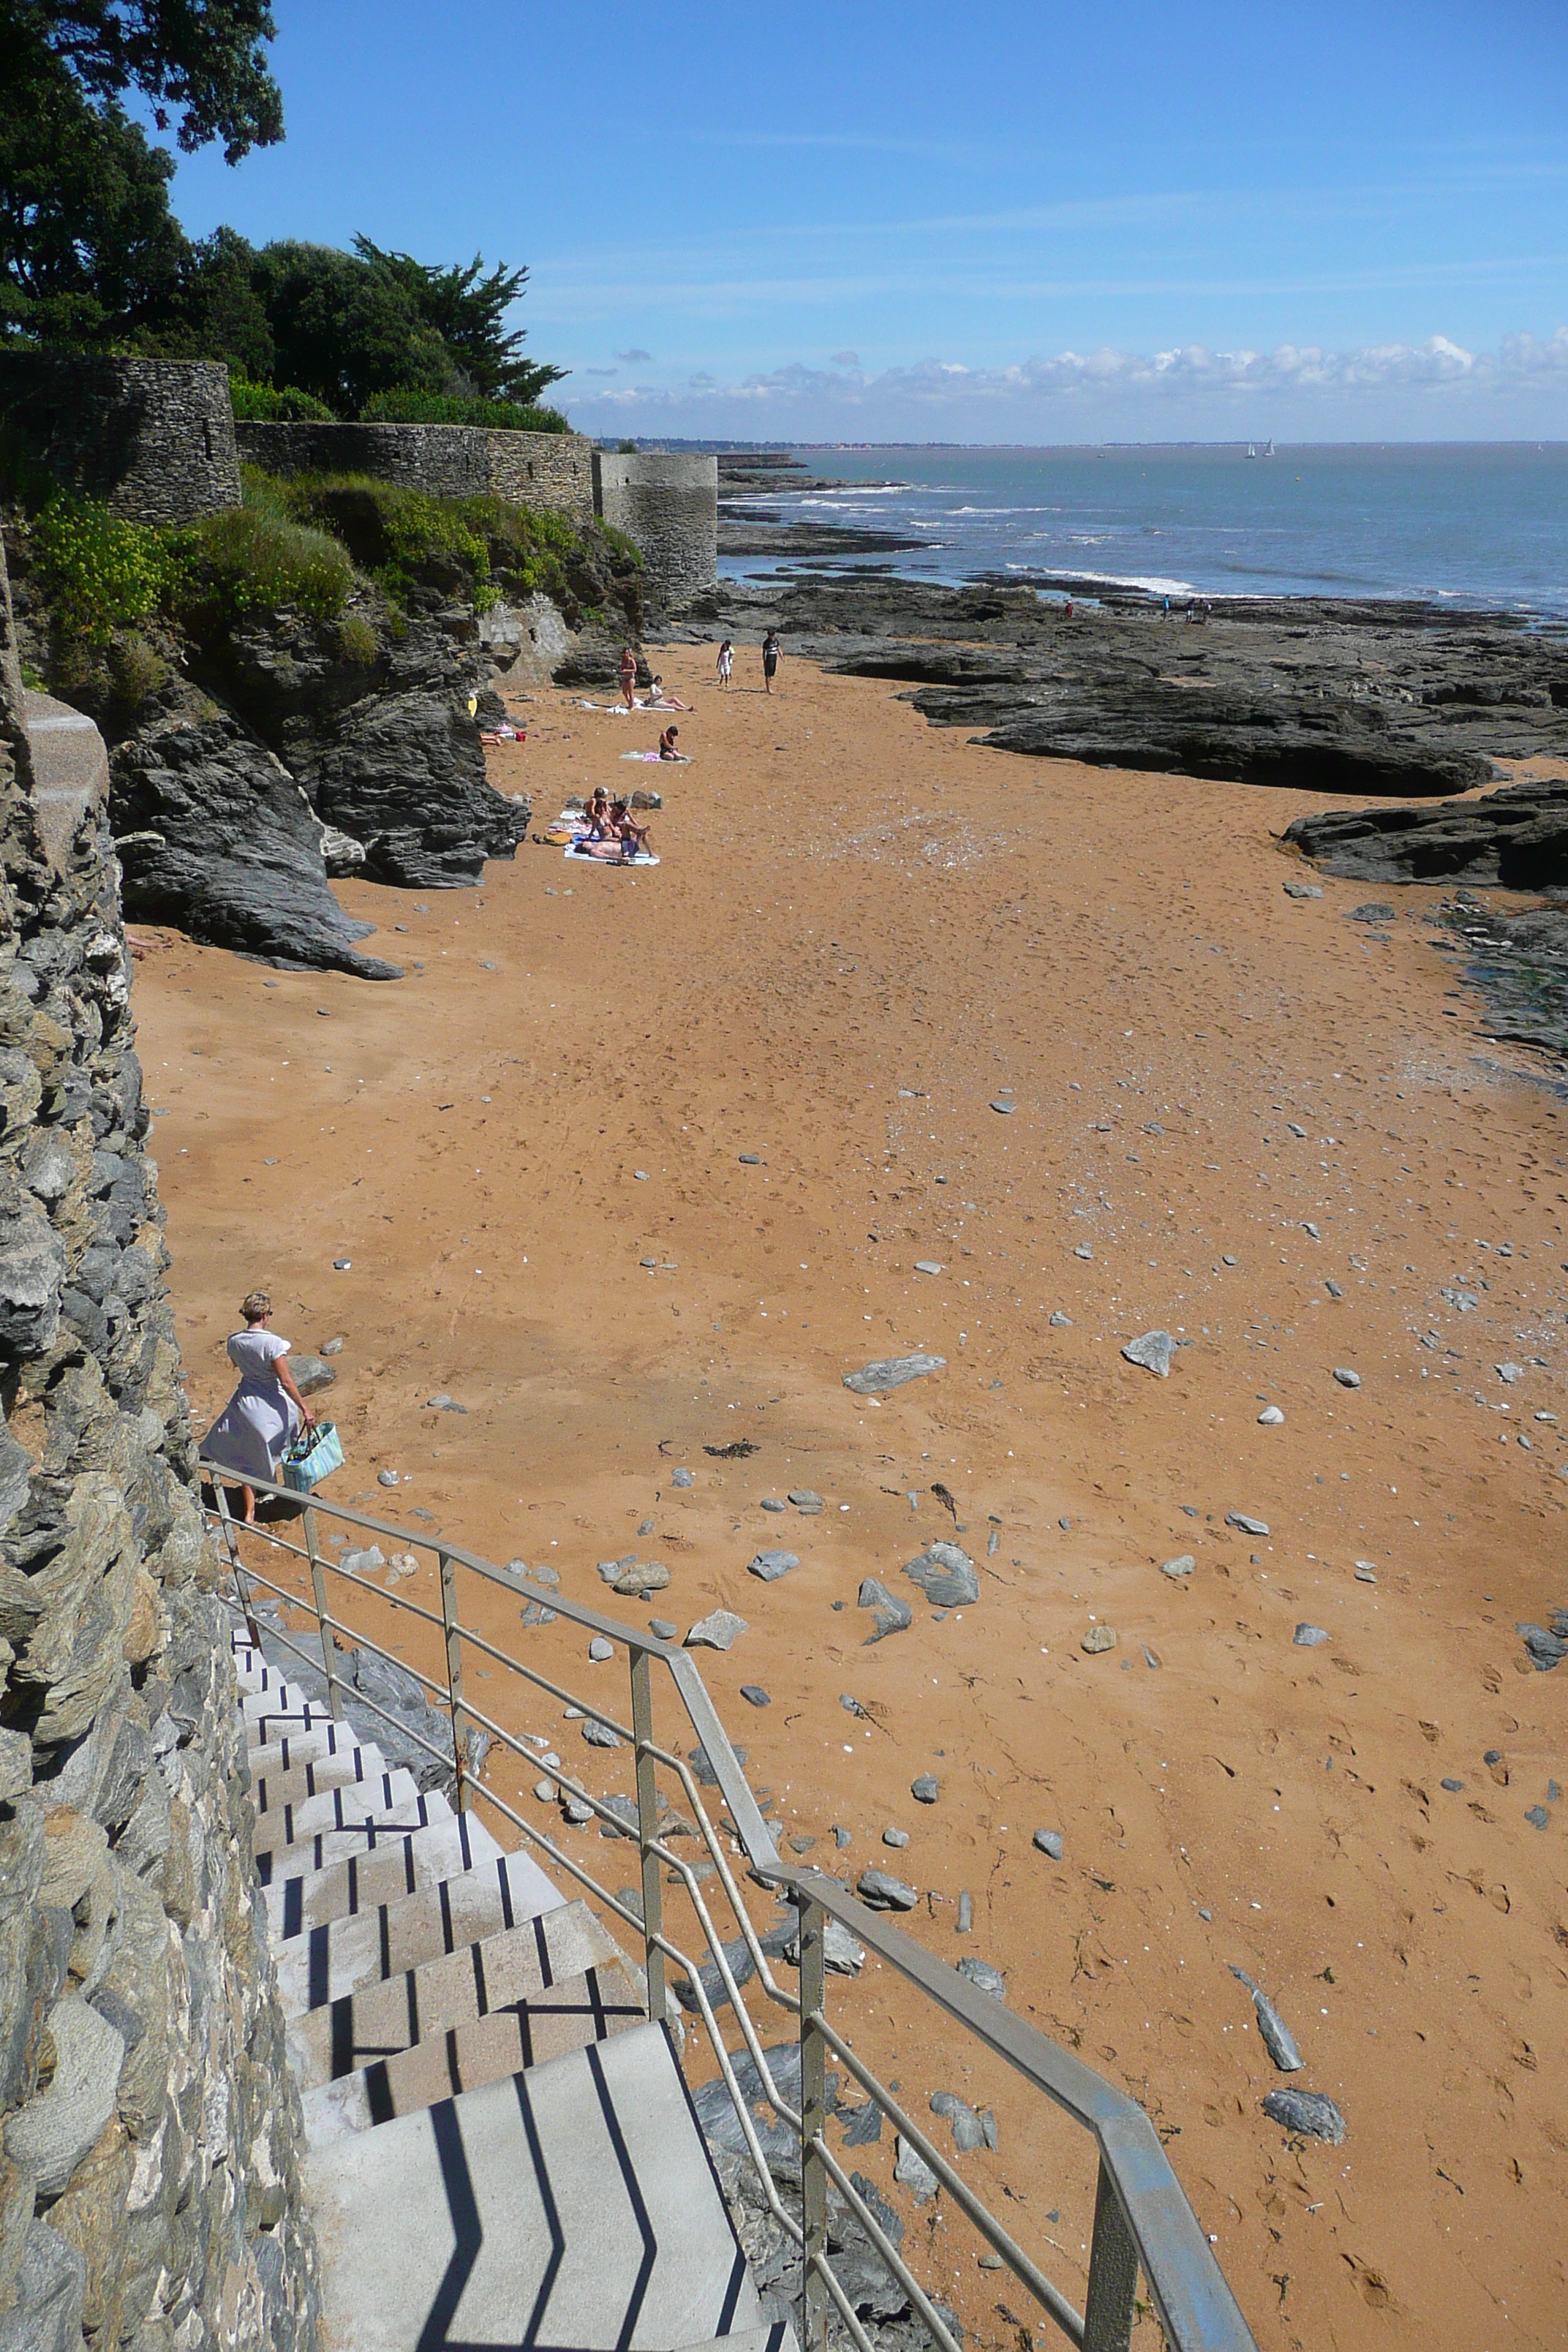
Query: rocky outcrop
[1517, 837]
[149, 2130]
[1306, 693]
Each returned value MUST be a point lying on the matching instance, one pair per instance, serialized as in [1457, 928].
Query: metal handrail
[1143, 2221]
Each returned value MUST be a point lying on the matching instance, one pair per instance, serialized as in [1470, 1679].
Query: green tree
[201, 64]
[345, 332]
[468, 310]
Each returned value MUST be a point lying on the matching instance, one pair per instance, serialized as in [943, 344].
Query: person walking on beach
[264, 1413]
[726, 663]
[770, 660]
[629, 675]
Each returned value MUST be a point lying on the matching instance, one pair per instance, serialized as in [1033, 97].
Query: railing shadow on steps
[1142, 2221]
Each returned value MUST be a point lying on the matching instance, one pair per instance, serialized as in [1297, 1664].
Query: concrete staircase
[502, 2149]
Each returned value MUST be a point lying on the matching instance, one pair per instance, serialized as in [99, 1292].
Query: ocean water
[1481, 524]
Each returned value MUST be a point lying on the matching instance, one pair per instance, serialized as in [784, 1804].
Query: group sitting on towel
[612, 820]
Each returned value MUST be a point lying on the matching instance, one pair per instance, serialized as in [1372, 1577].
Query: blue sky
[999, 222]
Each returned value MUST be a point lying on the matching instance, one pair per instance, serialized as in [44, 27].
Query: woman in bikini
[669, 744]
[632, 836]
[629, 675]
[598, 816]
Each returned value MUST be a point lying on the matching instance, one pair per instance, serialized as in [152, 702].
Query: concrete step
[463, 2056]
[360, 1882]
[283, 1784]
[297, 1817]
[325, 1738]
[570, 2205]
[338, 1956]
[424, 1808]
[776, 2336]
[519, 1964]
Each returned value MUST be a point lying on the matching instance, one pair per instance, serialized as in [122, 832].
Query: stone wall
[669, 507]
[149, 2128]
[154, 438]
[550, 470]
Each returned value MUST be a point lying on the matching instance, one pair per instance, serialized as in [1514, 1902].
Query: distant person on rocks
[266, 1411]
[770, 660]
[726, 663]
[669, 744]
[1165, 609]
[629, 677]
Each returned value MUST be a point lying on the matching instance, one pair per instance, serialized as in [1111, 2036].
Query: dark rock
[755, 1695]
[1278, 2038]
[926, 1789]
[884, 1892]
[983, 1978]
[1517, 837]
[891, 1373]
[1546, 1650]
[970, 2130]
[946, 1575]
[893, 1615]
[1049, 1841]
[1312, 2113]
[770, 1565]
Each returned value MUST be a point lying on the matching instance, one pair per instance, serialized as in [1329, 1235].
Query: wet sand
[864, 935]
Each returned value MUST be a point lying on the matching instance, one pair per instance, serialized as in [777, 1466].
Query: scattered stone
[1098, 1639]
[984, 1977]
[993, 1544]
[898, 1839]
[743, 1968]
[914, 2173]
[1375, 911]
[1333, 1289]
[1452, 1787]
[698, 1760]
[386, 1479]
[1060, 1322]
[599, 1649]
[893, 1615]
[1298, 1132]
[968, 2130]
[1005, 1108]
[683, 1478]
[1510, 1372]
[609, 1569]
[885, 1893]
[645, 1576]
[1302, 891]
[1365, 1572]
[771, 1565]
[841, 1957]
[648, 1263]
[772, 1502]
[716, 1631]
[341, 1264]
[801, 1842]
[893, 1373]
[599, 1735]
[1311, 2112]
[332, 1346]
[1182, 1565]
[965, 1914]
[1270, 1417]
[863, 2128]
[311, 1374]
[755, 1695]
[1309, 1637]
[926, 1789]
[841, 1837]
[1227, 1260]
[645, 1529]
[805, 1500]
[1538, 1817]
[946, 1575]
[1248, 1527]
[927, 1266]
[1546, 1650]
[1279, 2039]
[751, 1160]
[545, 1790]
[1346, 1377]
[1049, 1841]
[1083, 1251]
[443, 1404]
[663, 1629]
[1153, 1351]
[359, 1561]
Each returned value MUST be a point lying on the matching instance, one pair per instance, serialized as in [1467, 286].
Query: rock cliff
[149, 2129]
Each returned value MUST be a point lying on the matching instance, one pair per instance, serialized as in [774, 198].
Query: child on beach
[598, 816]
[770, 660]
[726, 663]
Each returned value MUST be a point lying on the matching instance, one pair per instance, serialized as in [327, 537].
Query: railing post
[319, 1587]
[454, 1678]
[647, 1829]
[1112, 2275]
[813, 2126]
[242, 1589]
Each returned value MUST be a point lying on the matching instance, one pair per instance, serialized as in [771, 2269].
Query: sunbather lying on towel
[657, 699]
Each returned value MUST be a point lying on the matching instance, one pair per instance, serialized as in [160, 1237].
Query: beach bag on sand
[310, 1456]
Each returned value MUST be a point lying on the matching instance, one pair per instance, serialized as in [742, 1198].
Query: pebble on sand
[1182, 1565]
[1060, 1322]
[927, 1266]
[717, 1631]
[386, 1479]
[885, 1893]
[1346, 1377]
[1048, 1842]
[1270, 1417]
[914, 2173]
[770, 1565]
[893, 1373]
[1311, 2112]
[1153, 1351]
[984, 1977]
[683, 1478]
[755, 1695]
[1098, 1639]
[1248, 1527]
[926, 1789]
[442, 1403]
[599, 1649]
[1309, 1637]
[896, 1838]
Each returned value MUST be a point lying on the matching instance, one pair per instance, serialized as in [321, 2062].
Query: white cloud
[1420, 390]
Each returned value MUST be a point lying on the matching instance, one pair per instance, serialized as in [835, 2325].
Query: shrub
[136, 670]
[266, 403]
[252, 559]
[100, 574]
[448, 408]
[357, 640]
[394, 532]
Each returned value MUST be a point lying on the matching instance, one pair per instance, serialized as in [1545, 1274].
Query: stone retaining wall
[149, 2128]
[550, 470]
[669, 507]
[153, 438]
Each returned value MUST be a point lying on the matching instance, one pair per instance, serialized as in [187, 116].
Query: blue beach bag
[310, 1456]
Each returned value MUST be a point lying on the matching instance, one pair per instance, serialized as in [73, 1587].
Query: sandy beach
[891, 1000]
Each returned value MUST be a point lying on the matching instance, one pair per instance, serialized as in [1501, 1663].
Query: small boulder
[1153, 1351]
[1098, 1639]
[1312, 2113]
[882, 1892]
[771, 1565]
[1048, 1842]
[718, 1631]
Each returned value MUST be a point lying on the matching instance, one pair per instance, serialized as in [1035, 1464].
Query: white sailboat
[1270, 451]
[1250, 450]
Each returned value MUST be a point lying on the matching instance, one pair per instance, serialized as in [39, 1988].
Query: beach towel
[608, 853]
[681, 758]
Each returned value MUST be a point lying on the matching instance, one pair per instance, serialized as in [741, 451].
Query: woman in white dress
[266, 1411]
